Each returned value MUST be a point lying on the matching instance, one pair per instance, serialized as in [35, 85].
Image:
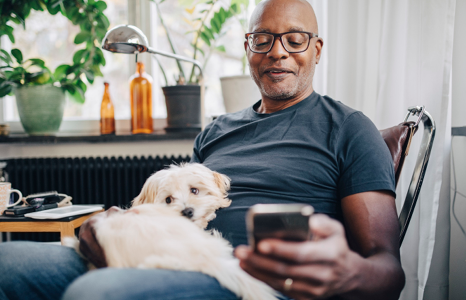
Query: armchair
[398, 140]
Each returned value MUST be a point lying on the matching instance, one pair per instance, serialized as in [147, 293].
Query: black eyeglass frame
[279, 35]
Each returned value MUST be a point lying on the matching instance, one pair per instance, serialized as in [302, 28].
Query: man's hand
[88, 243]
[308, 270]
[326, 265]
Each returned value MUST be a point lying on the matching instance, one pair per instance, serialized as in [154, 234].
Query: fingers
[311, 252]
[308, 282]
[254, 264]
[323, 226]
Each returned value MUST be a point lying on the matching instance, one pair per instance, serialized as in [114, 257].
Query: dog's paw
[71, 242]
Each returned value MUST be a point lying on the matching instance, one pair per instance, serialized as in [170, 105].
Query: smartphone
[288, 222]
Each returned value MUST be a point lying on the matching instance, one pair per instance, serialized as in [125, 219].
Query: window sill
[121, 137]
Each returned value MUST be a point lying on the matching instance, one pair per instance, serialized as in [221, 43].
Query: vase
[239, 92]
[183, 107]
[40, 108]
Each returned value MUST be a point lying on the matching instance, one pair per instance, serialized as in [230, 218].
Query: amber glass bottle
[107, 113]
[141, 101]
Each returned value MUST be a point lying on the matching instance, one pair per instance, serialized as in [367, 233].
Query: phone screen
[285, 226]
[283, 222]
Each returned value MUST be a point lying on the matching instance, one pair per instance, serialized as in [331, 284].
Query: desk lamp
[131, 40]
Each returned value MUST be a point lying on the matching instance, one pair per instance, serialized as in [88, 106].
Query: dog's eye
[194, 191]
[168, 200]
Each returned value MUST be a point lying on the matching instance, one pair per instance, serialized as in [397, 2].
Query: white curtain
[382, 57]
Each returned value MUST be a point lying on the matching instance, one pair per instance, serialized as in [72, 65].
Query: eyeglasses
[293, 42]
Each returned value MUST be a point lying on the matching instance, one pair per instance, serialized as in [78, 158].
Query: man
[294, 146]
[310, 149]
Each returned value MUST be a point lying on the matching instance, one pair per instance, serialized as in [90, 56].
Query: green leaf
[222, 16]
[89, 75]
[216, 26]
[6, 57]
[69, 88]
[8, 30]
[103, 19]
[78, 56]
[82, 37]
[77, 95]
[205, 38]
[100, 5]
[38, 78]
[53, 7]
[37, 62]
[18, 55]
[209, 33]
[81, 85]
[5, 90]
[221, 48]
[60, 72]
[234, 8]
[99, 56]
[96, 71]
[36, 5]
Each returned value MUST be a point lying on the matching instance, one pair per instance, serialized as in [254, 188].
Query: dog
[164, 228]
[191, 189]
[156, 236]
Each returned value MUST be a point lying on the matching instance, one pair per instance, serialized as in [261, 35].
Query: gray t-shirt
[316, 152]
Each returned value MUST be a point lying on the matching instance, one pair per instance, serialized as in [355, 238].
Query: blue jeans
[40, 271]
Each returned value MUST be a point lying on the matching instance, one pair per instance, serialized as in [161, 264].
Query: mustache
[276, 68]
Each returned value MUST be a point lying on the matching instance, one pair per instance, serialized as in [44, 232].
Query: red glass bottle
[107, 113]
[141, 101]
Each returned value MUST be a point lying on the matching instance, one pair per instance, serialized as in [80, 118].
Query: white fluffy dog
[165, 229]
[155, 236]
[191, 189]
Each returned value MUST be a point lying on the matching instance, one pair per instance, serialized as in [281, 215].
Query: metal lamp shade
[125, 39]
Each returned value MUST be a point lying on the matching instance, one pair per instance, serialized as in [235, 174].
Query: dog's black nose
[188, 212]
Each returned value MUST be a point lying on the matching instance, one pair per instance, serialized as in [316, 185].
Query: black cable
[455, 190]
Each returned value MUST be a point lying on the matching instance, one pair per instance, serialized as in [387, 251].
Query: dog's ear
[148, 192]
[223, 183]
[140, 199]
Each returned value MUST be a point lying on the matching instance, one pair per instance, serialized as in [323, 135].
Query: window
[178, 21]
[51, 39]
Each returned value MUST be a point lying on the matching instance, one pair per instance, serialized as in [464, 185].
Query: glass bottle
[107, 113]
[141, 101]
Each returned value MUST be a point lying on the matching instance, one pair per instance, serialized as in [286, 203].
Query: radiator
[101, 180]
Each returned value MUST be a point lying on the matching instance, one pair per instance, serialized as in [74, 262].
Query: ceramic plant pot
[239, 92]
[183, 107]
[40, 108]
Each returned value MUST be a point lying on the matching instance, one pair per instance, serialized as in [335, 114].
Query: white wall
[458, 240]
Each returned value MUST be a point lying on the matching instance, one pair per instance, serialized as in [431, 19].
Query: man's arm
[327, 266]
[88, 243]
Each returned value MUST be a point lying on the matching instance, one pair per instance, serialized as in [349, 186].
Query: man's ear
[246, 46]
[319, 45]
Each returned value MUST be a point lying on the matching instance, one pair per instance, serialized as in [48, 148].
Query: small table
[65, 226]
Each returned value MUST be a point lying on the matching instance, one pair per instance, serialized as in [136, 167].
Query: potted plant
[40, 93]
[208, 20]
[239, 91]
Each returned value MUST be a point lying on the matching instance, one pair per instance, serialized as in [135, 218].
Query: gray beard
[273, 93]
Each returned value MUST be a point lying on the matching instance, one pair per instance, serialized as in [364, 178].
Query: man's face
[278, 74]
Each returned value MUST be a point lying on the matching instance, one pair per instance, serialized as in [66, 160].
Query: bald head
[269, 8]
